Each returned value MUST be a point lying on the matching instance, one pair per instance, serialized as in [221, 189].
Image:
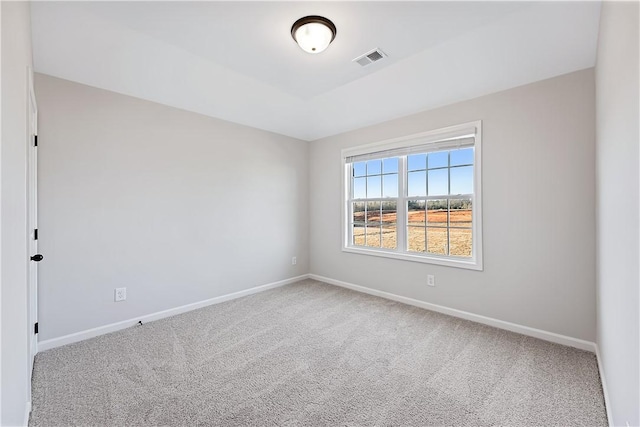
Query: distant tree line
[440, 204]
[375, 206]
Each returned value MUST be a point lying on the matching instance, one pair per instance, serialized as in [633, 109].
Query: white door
[33, 224]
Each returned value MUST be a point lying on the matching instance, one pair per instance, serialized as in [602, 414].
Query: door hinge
[35, 140]
[35, 328]
[35, 234]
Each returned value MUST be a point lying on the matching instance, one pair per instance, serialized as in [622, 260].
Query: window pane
[389, 212]
[358, 234]
[438, 182]
[416, 162]
[389, 237]
[460, 213]
[373, 212]
[359, 169]
[437, 213]
[416, 212]
[390, 165]
[373, 236]
[460, 241]
[358, 211]
[374, 167]
[462, 180]
[374, 187]
[462, 157]
[359, 188]
[415, 239]
[439, 159]
[390, 185]
[417, 184]
[437, 241]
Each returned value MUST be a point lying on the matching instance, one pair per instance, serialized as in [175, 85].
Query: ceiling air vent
[370, 57]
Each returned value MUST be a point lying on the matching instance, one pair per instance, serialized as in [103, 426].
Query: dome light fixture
[313, 33]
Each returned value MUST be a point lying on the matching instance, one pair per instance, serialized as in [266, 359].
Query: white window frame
[438, 136]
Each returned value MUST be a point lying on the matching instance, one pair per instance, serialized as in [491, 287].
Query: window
[416, 198]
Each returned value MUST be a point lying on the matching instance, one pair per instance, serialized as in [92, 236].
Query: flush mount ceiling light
[313, 33]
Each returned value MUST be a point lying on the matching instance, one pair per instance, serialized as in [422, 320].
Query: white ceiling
[237, 61]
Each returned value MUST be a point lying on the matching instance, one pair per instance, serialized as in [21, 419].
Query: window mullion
[449, 203]
[401, 207]
[350, 206]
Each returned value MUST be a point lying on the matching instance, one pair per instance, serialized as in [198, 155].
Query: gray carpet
[316, 355]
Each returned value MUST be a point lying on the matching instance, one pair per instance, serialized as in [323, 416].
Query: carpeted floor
[316, 355]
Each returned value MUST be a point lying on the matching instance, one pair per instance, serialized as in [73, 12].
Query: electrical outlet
[294, 261]
[431, 280]
[120, 294]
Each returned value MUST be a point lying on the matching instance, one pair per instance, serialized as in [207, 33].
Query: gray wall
[538, 208]
[618, 137]
[174, 206]
[14, 365]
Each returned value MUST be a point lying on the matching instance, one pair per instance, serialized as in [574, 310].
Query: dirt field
[421, 239]
[459, 218]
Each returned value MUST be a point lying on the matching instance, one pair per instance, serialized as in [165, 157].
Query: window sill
[448, 262]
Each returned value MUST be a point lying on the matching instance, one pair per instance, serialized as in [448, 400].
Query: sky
[427, 175]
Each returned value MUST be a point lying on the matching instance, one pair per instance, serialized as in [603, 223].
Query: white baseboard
[27, 412]
[501, 324]
[607, 405]
[101, 330]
